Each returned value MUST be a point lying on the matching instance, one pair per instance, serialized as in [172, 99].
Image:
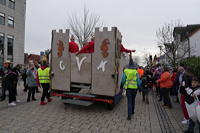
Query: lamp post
[160, 47]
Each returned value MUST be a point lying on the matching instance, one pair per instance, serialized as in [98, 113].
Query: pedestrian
[3, 93]
[156, 76]
[165, 85]
[144, 89]
[37, 66]
[16, 70]
[10, 81]
[130, 81]
[183, 80]
[31, 81]
[174, 89]
[24, 79]
[140, 71]
[44, 81]
[192, 104]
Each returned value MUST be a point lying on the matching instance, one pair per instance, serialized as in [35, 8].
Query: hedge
[194, 64]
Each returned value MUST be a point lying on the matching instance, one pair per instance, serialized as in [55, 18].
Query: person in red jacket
[73, 46]
[88, 48]
[165, 85]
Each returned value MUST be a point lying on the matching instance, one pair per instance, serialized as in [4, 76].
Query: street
[56, 117]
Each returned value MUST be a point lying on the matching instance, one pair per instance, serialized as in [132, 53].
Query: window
[3, 2]
[11, 4]
[10, 45]
[2, 18]
[10, 21]
[2, 39]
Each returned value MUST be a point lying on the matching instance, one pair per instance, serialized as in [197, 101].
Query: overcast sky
[137, 20]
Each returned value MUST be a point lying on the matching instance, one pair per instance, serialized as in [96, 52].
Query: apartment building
[12, 30]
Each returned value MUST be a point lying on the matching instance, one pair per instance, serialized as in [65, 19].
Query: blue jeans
[131, 94]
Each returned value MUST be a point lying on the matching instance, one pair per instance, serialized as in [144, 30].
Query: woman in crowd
[165, 85]
[31, 81]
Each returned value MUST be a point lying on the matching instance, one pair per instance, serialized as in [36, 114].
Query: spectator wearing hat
[131, 82]
[10, 79]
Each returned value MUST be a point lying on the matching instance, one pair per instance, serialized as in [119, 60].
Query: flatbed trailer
[88, 78]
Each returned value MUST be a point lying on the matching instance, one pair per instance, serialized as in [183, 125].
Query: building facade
[194, 42]
[12, 30]
[189, 39]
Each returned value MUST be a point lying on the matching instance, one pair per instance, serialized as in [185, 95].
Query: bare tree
[146, 59]
[168, 45]
[82, 27]
[136, 59]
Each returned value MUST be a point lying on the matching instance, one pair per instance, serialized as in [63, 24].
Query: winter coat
[165, 80]
[10, 78]
[193, 109]
[31, 80]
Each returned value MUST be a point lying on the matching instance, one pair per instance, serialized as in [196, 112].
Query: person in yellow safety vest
[131, 82]
[43, 76]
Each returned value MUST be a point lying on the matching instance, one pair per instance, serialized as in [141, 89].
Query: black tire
[62, 97]
[109, 106]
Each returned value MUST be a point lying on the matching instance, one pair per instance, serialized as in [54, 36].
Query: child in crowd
[146, 85]
[144, 89]
[193, 105]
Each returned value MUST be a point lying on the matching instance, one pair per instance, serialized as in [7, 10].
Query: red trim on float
[84, 98]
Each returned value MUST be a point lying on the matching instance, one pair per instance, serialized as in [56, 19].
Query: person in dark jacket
[24, 79]
[3, 93]
[10, 81]
[144, 89]
[174, 89]
[16, 70]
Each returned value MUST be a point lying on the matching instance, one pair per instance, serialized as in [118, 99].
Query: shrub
[194, 64]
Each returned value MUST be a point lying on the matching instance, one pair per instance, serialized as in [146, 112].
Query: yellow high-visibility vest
[44, 75]
[131, 79]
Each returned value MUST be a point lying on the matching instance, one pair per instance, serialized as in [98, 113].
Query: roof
[34, 57]
[186, 31]
[191, 34]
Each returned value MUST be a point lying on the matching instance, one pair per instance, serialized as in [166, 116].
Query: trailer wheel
[62, 97]
[109, 106]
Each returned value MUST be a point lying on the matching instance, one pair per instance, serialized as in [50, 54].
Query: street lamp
[160, 47]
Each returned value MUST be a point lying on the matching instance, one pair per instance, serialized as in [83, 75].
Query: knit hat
[132, 65]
